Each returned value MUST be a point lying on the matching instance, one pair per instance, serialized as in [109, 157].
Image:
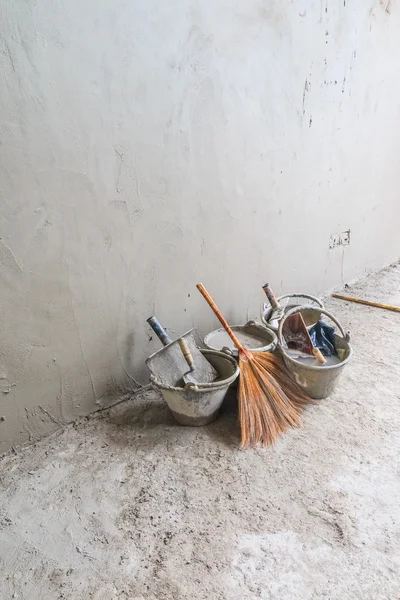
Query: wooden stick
[367, 302]
[186, 353]
[219, 315]
[319, 356]
[271, 297]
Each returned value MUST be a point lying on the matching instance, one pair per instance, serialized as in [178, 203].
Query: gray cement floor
[130, 505]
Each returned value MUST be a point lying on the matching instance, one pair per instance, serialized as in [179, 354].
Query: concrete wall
[148, 145]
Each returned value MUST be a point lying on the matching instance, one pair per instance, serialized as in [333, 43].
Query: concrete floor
[130, 505]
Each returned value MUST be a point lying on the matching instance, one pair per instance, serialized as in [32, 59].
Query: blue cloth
[323, 338]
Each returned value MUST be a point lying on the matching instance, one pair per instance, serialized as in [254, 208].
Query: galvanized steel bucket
[197, 405]
[267, 340]
[310, 318]
[316, 381]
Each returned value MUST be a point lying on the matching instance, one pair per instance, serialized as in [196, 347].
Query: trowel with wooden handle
[297, 337]
[169, 365]
[278, 310]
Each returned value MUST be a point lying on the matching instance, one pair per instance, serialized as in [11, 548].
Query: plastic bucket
[310, 317]
[253, 336]
[198, 405]
[316, 381]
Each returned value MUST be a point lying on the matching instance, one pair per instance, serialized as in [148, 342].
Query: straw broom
[269, 401]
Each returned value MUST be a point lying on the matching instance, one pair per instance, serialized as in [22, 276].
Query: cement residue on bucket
[200, 404]
[318, 381]
[288, 302]
[311, 361]
[252, 336]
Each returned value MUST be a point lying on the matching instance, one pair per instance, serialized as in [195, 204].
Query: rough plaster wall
[148, 145]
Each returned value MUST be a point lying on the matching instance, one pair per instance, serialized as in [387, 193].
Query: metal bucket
[316, 381]
[310, 317]
[198, 405]
[253, 336]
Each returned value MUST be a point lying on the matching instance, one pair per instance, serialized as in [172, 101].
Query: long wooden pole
[219, 315]
[367, 302]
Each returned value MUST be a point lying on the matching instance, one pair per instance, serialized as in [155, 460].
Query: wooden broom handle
[219, 315]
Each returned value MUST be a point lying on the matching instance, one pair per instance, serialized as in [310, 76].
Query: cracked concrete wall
[146, 146]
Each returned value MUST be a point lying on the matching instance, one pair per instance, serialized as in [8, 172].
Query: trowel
[169, 365]
[297, 337]
[278, 309]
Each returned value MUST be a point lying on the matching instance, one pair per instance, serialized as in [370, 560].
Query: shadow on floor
[147, 414]
[225, 429]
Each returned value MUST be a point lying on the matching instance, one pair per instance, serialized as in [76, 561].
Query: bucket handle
[314, 299]
[297, 309]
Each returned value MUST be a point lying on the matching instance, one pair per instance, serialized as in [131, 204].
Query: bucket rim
[267, 348]
[267, 310]
[316, 368]
[204, 387]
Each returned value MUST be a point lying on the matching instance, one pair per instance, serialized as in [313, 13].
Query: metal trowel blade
[169, 366]
[278, 314]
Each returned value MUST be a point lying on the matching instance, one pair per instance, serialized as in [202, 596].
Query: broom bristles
[269, 401]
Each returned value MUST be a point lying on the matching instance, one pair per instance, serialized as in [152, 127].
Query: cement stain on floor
[130, 505]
